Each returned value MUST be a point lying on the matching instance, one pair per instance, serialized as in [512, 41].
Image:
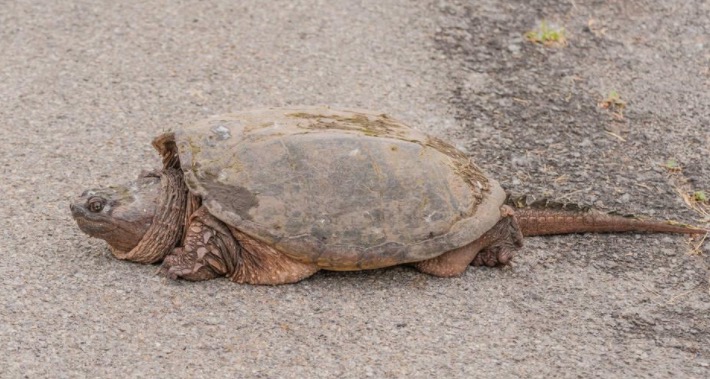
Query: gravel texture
[85, 85]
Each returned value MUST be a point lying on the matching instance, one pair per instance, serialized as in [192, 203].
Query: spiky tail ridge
[545, 217]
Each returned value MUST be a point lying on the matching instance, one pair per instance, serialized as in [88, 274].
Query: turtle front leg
[495, 247]
[213, 249]
[209, 250]
[184, 264]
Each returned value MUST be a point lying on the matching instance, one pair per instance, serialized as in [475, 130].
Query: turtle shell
[347, 190]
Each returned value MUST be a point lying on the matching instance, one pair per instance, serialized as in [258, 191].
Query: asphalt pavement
[86, 85]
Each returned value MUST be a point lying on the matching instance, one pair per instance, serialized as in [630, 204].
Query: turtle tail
[546, 217]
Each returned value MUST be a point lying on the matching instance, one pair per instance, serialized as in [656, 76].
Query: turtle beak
[76, 210]
[79, 213]
[78, 206]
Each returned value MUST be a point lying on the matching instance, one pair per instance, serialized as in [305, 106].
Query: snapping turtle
[272, 196]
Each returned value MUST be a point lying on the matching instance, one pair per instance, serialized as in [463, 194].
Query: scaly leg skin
[496, 246]
[201, 257]
[505, 238]
[212, 249]
[452, 263]
[260, 263]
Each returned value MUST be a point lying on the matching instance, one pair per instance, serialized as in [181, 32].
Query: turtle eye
[96, 205]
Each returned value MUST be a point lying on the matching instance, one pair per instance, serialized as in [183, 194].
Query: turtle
[272, 196]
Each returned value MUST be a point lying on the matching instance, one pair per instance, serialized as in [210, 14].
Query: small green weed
[547, 35]
[613, 103]
[671, 165]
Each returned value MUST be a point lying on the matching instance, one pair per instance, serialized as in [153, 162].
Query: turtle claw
[162, 271]
[185, 265]
[495, 256]
[174, 264]
[167, 271]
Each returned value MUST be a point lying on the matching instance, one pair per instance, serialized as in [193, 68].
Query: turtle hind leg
[501, 241]
[495, 247]
[451, 263]
[260, 263]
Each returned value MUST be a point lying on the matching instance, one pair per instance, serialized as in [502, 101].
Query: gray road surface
[85, 85]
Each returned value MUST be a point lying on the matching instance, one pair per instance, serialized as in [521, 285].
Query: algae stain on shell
[461, 164]
[380, 126]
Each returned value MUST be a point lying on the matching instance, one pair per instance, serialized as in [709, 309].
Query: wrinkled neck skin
[142, 221]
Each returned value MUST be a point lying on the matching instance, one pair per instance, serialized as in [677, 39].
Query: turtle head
[120, 215]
